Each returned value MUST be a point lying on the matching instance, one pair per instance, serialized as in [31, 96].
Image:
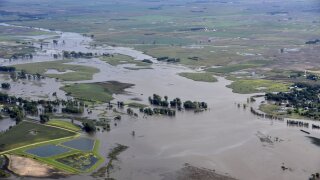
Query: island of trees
[302, 99]
[169, 108]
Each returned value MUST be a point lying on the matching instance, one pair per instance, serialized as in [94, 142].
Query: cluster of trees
[18, 107]
[177, 103]
[44, 118]
[5, 85]
[168, 59]
[73, 54]
[313, 41]
[304, 98]
[312, 77]
[131, 113]
[195, 58]
[22, 56]
[71, 109]
[7, 69]
[195, 105]
[147, 61]
[24, 75]
[15, 112]
[157, 100]
[89, 126]
[162, 111]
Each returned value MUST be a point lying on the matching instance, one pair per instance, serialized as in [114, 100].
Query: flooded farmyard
[229, 136]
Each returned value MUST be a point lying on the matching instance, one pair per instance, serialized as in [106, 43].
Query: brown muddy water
[225, 138]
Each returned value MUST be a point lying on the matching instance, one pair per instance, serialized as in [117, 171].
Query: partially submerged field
[96, 92]
[64, 124]
[68, 72]
[119, 59]
[27, 133]
[204, 77]
[54, 145]
[248, 86]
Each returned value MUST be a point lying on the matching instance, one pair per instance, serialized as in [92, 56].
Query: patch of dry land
[189, 172]
[23, 166]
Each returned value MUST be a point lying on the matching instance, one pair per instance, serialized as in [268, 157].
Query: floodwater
[6, 123]
[225, 138]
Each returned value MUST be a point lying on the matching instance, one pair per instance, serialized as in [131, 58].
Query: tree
[5, 86]
[44, 118]
[89, 126]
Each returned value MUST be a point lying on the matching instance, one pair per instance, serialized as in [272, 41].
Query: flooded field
[82, 144]
[47, 150]
[227, 139]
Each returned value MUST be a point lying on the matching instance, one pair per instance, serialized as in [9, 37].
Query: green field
[247, 86]
[12, 43]
[237, 67]
[96, 92]
[64, 124]
[204, 77]
[79, 72]
[118, 59]
[136, 105]
[27, 133]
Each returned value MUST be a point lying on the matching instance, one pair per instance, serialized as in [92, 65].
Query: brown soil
[189, 172]
[23, 166]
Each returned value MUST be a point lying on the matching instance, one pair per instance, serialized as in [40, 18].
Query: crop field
[64, 124]
[233, 33]
[27, 133]
[210, 33]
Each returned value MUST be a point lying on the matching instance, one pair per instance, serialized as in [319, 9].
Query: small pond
[83, 144]
[79, 161]
[47, 150]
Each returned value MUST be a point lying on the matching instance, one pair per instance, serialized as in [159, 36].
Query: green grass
[248, 86]
[136, 105]
[137, 68]
[80, 72]
[27, 133]
[64, 124]
[273, 109]
[270, 109]
[118, 59]
[237, 67]
[204, 77]
[96, 92]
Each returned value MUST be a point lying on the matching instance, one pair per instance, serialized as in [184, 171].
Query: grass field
[97, 92]
[118, 59]
[27, 133]
[79, 72]
[247, 86]
[136, 105]
[64, 124]
[237, 67]
[269, 109]
[204, 77]
[217, 33]
[11, 41]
